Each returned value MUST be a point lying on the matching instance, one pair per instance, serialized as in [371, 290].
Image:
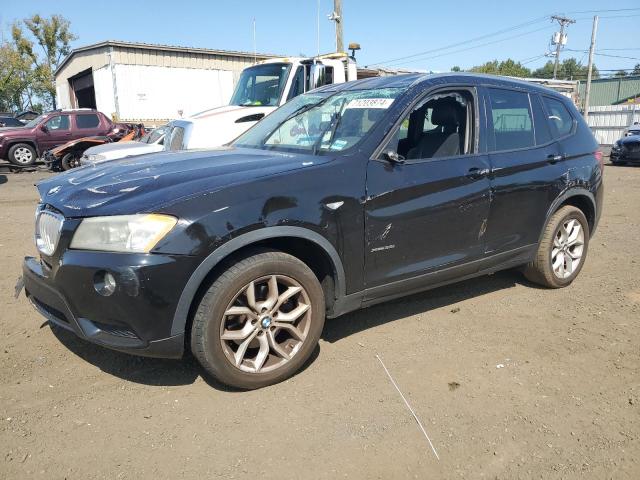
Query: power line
[604, 11]
[469, 48]
[471, 40]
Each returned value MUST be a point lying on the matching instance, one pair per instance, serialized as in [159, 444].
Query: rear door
[57, 131]
[427, 216]
[525, 169]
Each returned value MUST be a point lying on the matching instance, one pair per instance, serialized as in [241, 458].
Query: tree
[455, 68]
[636, 69]
[16, 80]
[507, 67]
[53, 36]
[620, 73]
[568, 69]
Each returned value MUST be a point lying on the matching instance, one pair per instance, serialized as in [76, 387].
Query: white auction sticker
[370, 103]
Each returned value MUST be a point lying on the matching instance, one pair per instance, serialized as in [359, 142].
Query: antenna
[255, 55]
[318, 28]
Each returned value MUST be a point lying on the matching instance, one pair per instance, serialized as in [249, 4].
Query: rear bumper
[127, 322]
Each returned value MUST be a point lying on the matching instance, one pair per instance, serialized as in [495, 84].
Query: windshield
[317, 122]
[36, 121]
[153, 135]
[261, 85]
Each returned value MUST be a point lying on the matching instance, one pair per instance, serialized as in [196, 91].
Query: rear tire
[22, 154]
[259, 322]
[562, 250]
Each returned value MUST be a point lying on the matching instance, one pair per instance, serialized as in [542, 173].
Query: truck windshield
[261, 85]
[321, 122]
[35, 121]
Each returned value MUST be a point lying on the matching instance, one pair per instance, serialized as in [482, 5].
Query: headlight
[122, 233]
[95, 158]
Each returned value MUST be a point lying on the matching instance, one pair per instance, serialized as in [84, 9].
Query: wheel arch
[580, 198]
[288, 239]
[29, 142]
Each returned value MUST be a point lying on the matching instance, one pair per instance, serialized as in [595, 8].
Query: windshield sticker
[370, 103]
[338, 145]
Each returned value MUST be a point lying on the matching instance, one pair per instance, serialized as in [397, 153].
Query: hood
[9, 130]
[115, 151]
[114, 146]
[153, 182]
[631, 139]
[219, 126]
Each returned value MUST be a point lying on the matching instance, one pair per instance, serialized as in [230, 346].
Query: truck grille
[48, 226]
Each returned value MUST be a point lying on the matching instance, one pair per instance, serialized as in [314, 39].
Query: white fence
[608, 122]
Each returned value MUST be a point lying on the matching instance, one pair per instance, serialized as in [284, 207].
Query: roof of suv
[411, 79]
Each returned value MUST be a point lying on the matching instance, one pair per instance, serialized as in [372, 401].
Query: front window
[318, 123]
[61, 122]
[261, 85]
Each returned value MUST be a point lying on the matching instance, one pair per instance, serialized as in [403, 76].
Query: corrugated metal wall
[608, 122]
[610, 91]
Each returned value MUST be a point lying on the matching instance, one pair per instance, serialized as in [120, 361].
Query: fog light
[104, 283]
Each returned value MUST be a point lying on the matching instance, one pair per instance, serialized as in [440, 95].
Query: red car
[24, 145]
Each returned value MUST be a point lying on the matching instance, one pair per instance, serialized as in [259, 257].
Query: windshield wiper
[298, 111]
[333, 126]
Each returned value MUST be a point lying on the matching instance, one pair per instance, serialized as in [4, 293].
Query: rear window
[87, 121]
[560, 119]
[512, 119]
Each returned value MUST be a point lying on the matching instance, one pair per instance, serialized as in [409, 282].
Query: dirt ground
[510, 381]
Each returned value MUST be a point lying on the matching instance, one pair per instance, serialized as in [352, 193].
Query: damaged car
[347, 196]
[627, 149]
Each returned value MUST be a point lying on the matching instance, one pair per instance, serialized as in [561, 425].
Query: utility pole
[336, 16]
[561, 40]
[587, 92]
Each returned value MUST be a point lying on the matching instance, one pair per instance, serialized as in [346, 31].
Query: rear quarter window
[559, 118]
[87, 121]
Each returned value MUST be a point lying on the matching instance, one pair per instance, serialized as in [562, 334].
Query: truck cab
[260, 89]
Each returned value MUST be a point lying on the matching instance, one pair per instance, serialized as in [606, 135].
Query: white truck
[260, 90]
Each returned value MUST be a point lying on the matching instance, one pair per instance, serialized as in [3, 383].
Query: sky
[423, 31]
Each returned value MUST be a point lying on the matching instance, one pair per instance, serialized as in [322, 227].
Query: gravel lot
[510, 381]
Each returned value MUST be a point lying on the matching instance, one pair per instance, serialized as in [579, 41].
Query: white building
[148, 83]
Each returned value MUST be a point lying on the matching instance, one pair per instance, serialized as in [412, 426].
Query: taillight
[600, 159]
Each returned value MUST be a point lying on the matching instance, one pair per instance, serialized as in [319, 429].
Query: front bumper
[136, 319]
[626, 155]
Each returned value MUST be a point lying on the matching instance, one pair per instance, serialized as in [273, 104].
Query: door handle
[476, 172]
[554, 158]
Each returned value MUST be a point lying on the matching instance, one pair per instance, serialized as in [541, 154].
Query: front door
[57, 131]
[427, 196]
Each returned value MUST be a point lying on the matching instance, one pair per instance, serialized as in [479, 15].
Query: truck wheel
[22, 154]
[69, 161]
[562, 250]
[259, 321]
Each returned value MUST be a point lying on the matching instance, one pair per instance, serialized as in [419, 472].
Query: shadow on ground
[153, 371]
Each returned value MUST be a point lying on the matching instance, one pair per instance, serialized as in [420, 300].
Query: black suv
[347, 196]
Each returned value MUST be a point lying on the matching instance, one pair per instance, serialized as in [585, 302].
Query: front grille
[48, 227]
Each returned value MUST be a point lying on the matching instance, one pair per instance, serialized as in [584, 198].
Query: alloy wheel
[568, 247]
[23, 155]
[266, 324]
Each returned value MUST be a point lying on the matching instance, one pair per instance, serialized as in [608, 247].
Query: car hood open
[148, 183]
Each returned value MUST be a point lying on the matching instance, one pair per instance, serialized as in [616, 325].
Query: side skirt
[432, 280]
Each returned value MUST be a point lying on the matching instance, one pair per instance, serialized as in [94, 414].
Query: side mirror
[44, 128]
[317, 76]
[393, 157]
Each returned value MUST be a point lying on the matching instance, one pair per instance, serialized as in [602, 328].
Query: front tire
[22, 154]
[562, 250]
[259, 321]
[69, 161]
